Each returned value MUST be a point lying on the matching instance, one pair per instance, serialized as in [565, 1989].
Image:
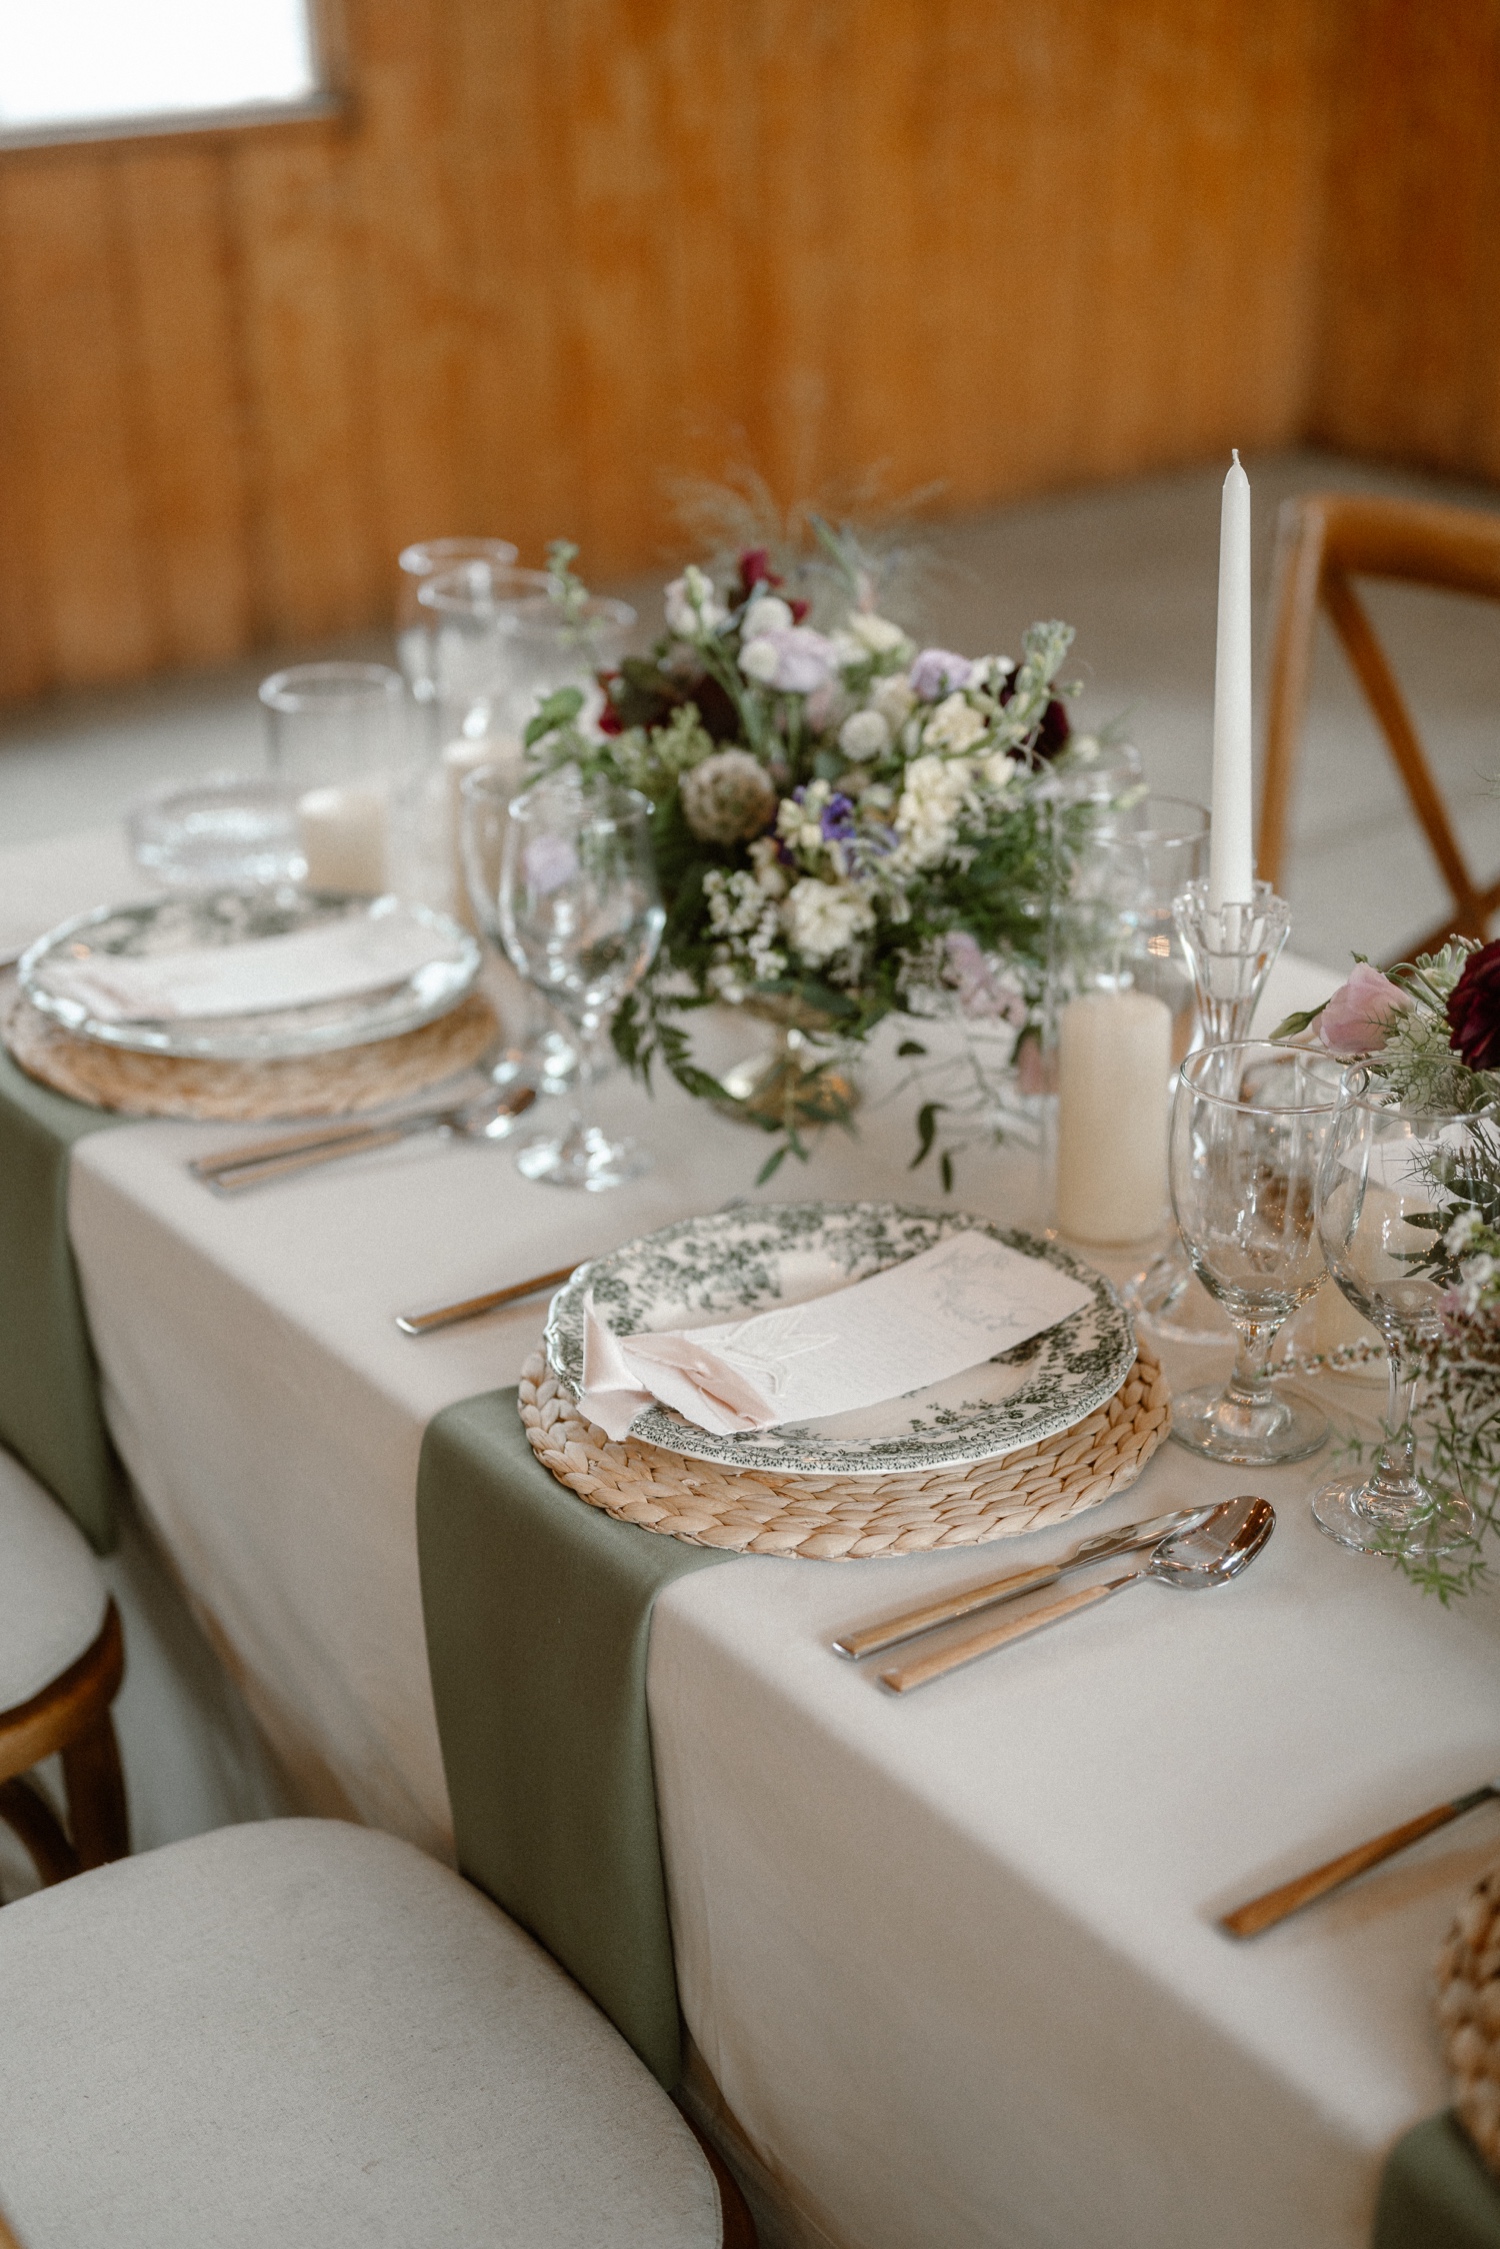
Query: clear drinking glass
[1381, 1218]
[471, 611]
[539, 1053]
[338, 742]
[426, 558]
[581, 915]
[1250, 1123]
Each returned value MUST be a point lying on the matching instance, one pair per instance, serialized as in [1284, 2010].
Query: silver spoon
[489, 1118]
[1209, 1552]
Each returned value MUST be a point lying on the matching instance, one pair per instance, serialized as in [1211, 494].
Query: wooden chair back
[1323, 542]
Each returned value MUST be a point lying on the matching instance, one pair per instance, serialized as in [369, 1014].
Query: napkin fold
[934, 1315]
[334, 961]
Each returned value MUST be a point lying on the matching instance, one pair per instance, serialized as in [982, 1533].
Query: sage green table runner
[1436, 2194]
[538, 1614]
[49, 1391]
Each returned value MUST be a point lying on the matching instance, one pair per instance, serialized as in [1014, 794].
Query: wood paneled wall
[561, 251]
[1408, 352]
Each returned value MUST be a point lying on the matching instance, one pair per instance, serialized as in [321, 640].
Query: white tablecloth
[950, 1960]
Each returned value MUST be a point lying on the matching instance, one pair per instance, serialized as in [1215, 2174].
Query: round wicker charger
[342, 1083]
[1468, 2013]
[847, 1518]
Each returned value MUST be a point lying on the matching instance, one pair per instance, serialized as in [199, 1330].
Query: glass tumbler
[1382, 1214]
[427, 558]
[337, 738]
[581, 916]
[1250, 1124]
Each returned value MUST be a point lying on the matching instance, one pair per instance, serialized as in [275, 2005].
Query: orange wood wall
[563, 250]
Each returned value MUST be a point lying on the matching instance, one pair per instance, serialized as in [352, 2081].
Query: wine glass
[540, 1053]
[581, 916]
[1382, 1212]
[1250, 1122]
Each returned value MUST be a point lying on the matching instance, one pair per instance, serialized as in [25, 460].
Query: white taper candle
[1231, 866]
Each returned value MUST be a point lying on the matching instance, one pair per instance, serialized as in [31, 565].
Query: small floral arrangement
[1430, 1030]
[845, 824]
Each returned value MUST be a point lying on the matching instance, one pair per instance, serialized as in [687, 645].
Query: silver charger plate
[159, 927]
[745, 1260]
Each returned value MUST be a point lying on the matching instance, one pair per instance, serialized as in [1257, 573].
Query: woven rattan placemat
[316, 1085]
[1468, 2013]
[848, 1518]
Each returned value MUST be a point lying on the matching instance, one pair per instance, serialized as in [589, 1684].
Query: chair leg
[96, 1794]
[26, 1811]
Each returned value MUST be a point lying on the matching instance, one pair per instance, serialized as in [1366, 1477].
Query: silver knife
[869, 1639]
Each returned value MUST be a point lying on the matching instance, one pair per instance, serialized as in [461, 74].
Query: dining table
[948, 1962]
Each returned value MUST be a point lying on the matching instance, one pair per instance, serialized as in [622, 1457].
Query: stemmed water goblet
[538, 1052]
[581, 916]
[1384, 1203]
[1250, 1123]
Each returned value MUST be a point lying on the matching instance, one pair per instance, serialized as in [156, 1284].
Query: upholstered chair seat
[61, 1661]
[303, 2032]
[52, 1596]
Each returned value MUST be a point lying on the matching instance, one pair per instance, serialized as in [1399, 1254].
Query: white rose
[767, 613]
[877, 634]
[760, 659]
[1000, 770]
[693, 609]
[864, 735]
[823, 918]
[955, 725]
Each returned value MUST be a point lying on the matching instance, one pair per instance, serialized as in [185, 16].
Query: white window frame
[325, 100]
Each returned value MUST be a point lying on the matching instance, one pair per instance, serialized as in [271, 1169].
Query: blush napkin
[953, 1306]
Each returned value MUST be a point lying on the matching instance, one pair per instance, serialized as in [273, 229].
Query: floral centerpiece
[846, 825]
[1430, 1030]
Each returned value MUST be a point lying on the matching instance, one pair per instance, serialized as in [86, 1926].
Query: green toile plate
[758, 1255]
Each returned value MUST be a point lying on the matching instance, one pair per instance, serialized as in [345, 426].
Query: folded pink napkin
[951, 1307]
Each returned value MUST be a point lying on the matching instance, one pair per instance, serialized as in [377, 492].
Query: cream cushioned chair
[61, 1660]
[299, 2032]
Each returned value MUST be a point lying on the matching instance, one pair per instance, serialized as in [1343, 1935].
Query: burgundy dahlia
[1474, 1009]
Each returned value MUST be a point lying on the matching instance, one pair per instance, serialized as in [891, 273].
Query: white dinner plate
[759, 1255]
[438, 963]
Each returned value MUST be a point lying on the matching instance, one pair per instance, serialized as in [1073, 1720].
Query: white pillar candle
[343, 833]
[1230, 861]
[1114, 1061]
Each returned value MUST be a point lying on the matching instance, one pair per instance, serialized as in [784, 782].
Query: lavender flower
[938, 672]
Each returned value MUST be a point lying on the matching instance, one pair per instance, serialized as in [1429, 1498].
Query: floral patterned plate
[749, 1258]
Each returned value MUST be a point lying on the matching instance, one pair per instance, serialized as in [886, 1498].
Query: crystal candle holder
[1232, 949]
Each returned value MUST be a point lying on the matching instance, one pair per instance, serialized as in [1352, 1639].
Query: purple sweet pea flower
[981, 993]
[837, 820]
[938, 672]
[794, 659]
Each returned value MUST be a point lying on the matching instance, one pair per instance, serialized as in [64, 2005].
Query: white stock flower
[766, 613]
[954, 726]
[1461, 1232]
[769, 872]
[863, 735]
[935, 792]
[823, 918]
[893, 699]
[876, 634]
[693, 609]
[1000, 769]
